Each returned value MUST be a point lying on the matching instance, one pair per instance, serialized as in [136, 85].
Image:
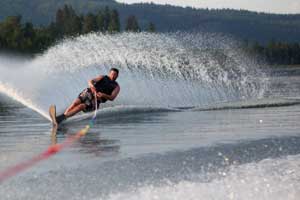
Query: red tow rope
[52, 150]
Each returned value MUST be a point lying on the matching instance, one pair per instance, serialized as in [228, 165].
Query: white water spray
[159, 70]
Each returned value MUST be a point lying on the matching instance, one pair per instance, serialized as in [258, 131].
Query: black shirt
[106, 86]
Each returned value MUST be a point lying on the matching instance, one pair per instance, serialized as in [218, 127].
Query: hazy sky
[273, 6]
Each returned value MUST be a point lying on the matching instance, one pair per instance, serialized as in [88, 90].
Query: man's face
[113, 75]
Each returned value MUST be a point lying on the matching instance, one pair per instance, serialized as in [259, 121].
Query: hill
[242, 24]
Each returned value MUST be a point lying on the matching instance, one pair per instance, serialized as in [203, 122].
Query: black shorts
[87, 97]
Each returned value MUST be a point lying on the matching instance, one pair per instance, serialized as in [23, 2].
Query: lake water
[239, 154]
[234, 149]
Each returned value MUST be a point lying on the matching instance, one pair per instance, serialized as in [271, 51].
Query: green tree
[42, 40]
[10, 32]
[59, 23]
[100, 21]
[89, 23]
[151, 28]
[132, 24]
[28, 37]
[67, 22]
[114, 25]
[106, 18]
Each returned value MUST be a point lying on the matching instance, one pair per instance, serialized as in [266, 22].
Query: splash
[267, 179]
[159, 70]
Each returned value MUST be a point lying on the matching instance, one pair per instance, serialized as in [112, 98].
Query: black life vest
[106, 86]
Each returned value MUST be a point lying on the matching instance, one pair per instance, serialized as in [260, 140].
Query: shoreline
[285, 66]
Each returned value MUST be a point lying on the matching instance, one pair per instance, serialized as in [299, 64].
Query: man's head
[113, 73]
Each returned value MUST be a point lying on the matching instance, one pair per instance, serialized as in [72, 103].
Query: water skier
[104, 87]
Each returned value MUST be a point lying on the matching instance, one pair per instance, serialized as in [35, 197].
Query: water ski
[53, 135]
[52, 113]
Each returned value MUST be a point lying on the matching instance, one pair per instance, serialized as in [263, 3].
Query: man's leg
[75, 109]
[73, 105]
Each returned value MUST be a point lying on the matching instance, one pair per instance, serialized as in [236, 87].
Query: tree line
[21, 37]
[275, 52]
[242, 24]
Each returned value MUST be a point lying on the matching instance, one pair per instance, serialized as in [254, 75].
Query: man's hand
[100, 95]
[91, 83]
[93, 89]
[109, 97]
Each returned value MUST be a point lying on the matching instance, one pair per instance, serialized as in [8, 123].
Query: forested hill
[43, 11]
[254, 26]
[239, 23]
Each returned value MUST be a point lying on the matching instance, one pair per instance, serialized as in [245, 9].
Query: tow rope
[52, 150]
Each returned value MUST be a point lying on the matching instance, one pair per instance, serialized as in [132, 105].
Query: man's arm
[91, 83]
[111, 97]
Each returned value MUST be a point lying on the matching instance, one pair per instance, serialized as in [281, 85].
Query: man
[102, 87]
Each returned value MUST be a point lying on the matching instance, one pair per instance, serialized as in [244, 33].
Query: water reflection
[134, 118]
[91, 143]
[94, 144]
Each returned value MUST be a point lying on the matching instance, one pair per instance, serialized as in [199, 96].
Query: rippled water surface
[143, 155]
[195, 119]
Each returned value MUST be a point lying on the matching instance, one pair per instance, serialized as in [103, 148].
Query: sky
[269, 6]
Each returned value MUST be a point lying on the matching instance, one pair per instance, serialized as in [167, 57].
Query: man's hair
[115, 70]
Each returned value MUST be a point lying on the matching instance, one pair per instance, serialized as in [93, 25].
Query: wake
[156, 70]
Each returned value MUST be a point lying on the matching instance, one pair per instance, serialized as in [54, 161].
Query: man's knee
[82, 106]
[76, 102]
